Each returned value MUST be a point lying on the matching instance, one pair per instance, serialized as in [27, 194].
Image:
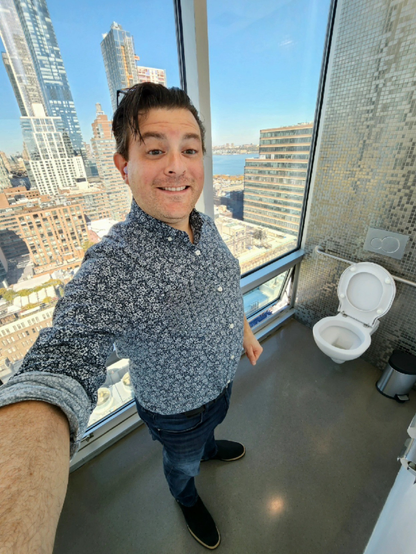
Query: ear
[121, 165]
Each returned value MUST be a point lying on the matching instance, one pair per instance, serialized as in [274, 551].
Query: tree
[53, 283]
[25, 292]
[9, 295]
[87, 244]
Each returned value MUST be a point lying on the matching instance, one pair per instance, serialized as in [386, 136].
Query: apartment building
[151, 75]
[51, 232]
[274, 183]
[18, 336]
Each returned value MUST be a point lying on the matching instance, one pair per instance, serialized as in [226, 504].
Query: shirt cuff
[57, 389]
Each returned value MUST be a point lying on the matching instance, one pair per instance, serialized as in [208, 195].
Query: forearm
[34, 466]
[247, 328]
[251, 345]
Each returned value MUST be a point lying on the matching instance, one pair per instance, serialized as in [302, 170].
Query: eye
[155, 152]
[191, 151]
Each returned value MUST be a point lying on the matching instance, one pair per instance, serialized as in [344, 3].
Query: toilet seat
[366, 292]
[341, 338]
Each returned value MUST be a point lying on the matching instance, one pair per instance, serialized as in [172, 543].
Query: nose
[175, 164]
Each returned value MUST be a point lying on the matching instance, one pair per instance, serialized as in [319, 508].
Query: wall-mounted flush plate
[385, 243]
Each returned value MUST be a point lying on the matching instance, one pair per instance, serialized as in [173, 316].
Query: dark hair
[137, 101]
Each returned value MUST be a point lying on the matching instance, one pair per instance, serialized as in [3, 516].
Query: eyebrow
[161, 136]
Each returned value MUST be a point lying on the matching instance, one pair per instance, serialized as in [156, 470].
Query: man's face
[165, 172]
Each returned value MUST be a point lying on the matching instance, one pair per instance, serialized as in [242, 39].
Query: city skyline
[238, 49]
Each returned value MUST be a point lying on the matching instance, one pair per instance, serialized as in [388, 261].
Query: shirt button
[198, 252]
[219, 289]
[231, 325]
[170, 239]
[232, 357]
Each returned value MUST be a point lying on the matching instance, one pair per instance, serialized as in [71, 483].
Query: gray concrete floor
[321, 444]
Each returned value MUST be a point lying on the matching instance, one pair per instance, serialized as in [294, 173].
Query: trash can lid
[403, 362]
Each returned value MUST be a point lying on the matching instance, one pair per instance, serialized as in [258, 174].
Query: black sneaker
[228, 451]
[201, 525]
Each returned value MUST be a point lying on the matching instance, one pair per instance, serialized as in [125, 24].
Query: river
[232, 164]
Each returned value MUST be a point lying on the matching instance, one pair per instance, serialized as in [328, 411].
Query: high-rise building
[104, 146]
[4, 176]
[6, 161]
[120, 61]
[90, 165]
[19, 63]
[35, 23]
[95, 203]
[151, 75]
[117, 48]
[274, 183]
[51, 163]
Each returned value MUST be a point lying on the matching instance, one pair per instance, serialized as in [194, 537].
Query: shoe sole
[206, 545]
[228, 459]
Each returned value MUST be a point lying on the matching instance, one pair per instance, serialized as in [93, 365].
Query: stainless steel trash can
[398, 377]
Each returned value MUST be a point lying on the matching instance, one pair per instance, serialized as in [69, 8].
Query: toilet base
[338, 361]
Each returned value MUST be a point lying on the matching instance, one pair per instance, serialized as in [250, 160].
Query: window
[262, 130]
[70, 143]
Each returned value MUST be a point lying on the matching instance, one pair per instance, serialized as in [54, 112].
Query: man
[164, 288]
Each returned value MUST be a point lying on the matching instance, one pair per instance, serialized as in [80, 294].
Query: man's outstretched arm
[34, 469]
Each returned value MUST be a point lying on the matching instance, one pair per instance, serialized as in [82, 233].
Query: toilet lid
[366, 292]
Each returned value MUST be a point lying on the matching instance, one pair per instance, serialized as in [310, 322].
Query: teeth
[174, 189]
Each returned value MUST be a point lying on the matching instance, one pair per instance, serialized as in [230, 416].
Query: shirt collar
[143, 219]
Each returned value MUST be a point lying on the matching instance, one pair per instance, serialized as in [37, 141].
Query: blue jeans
[186, 439]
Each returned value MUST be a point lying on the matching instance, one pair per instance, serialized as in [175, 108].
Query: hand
[251, 345]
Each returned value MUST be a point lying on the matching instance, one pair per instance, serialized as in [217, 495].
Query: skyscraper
[50, 70]
[34, 65]
[4, 176]
[52, 136]
[117, 48]
[274, 184]
[51, 163]
[19, 64]
[120, 64]
[104, 145]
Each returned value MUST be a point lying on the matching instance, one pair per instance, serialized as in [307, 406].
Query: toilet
[366, 292]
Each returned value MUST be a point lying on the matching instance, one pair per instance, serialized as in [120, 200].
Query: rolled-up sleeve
[66, 365]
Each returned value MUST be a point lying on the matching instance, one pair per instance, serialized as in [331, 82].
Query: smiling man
[163, 288]
[160, 156]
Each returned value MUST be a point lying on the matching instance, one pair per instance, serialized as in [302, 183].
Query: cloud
[286, 43]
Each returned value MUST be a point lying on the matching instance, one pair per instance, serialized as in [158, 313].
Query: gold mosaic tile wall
[366, 162]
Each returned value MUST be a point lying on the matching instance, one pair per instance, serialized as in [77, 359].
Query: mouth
[173, 189]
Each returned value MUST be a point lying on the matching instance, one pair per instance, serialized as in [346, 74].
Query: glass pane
[268, 299]
[115, 392]
[59, 190]
[263, 295]
[265, 62]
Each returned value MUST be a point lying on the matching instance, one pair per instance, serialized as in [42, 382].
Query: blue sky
[265, 60]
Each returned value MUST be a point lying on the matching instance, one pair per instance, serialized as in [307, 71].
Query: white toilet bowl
[366, 292]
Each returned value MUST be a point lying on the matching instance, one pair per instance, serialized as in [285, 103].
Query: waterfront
[230, 164]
